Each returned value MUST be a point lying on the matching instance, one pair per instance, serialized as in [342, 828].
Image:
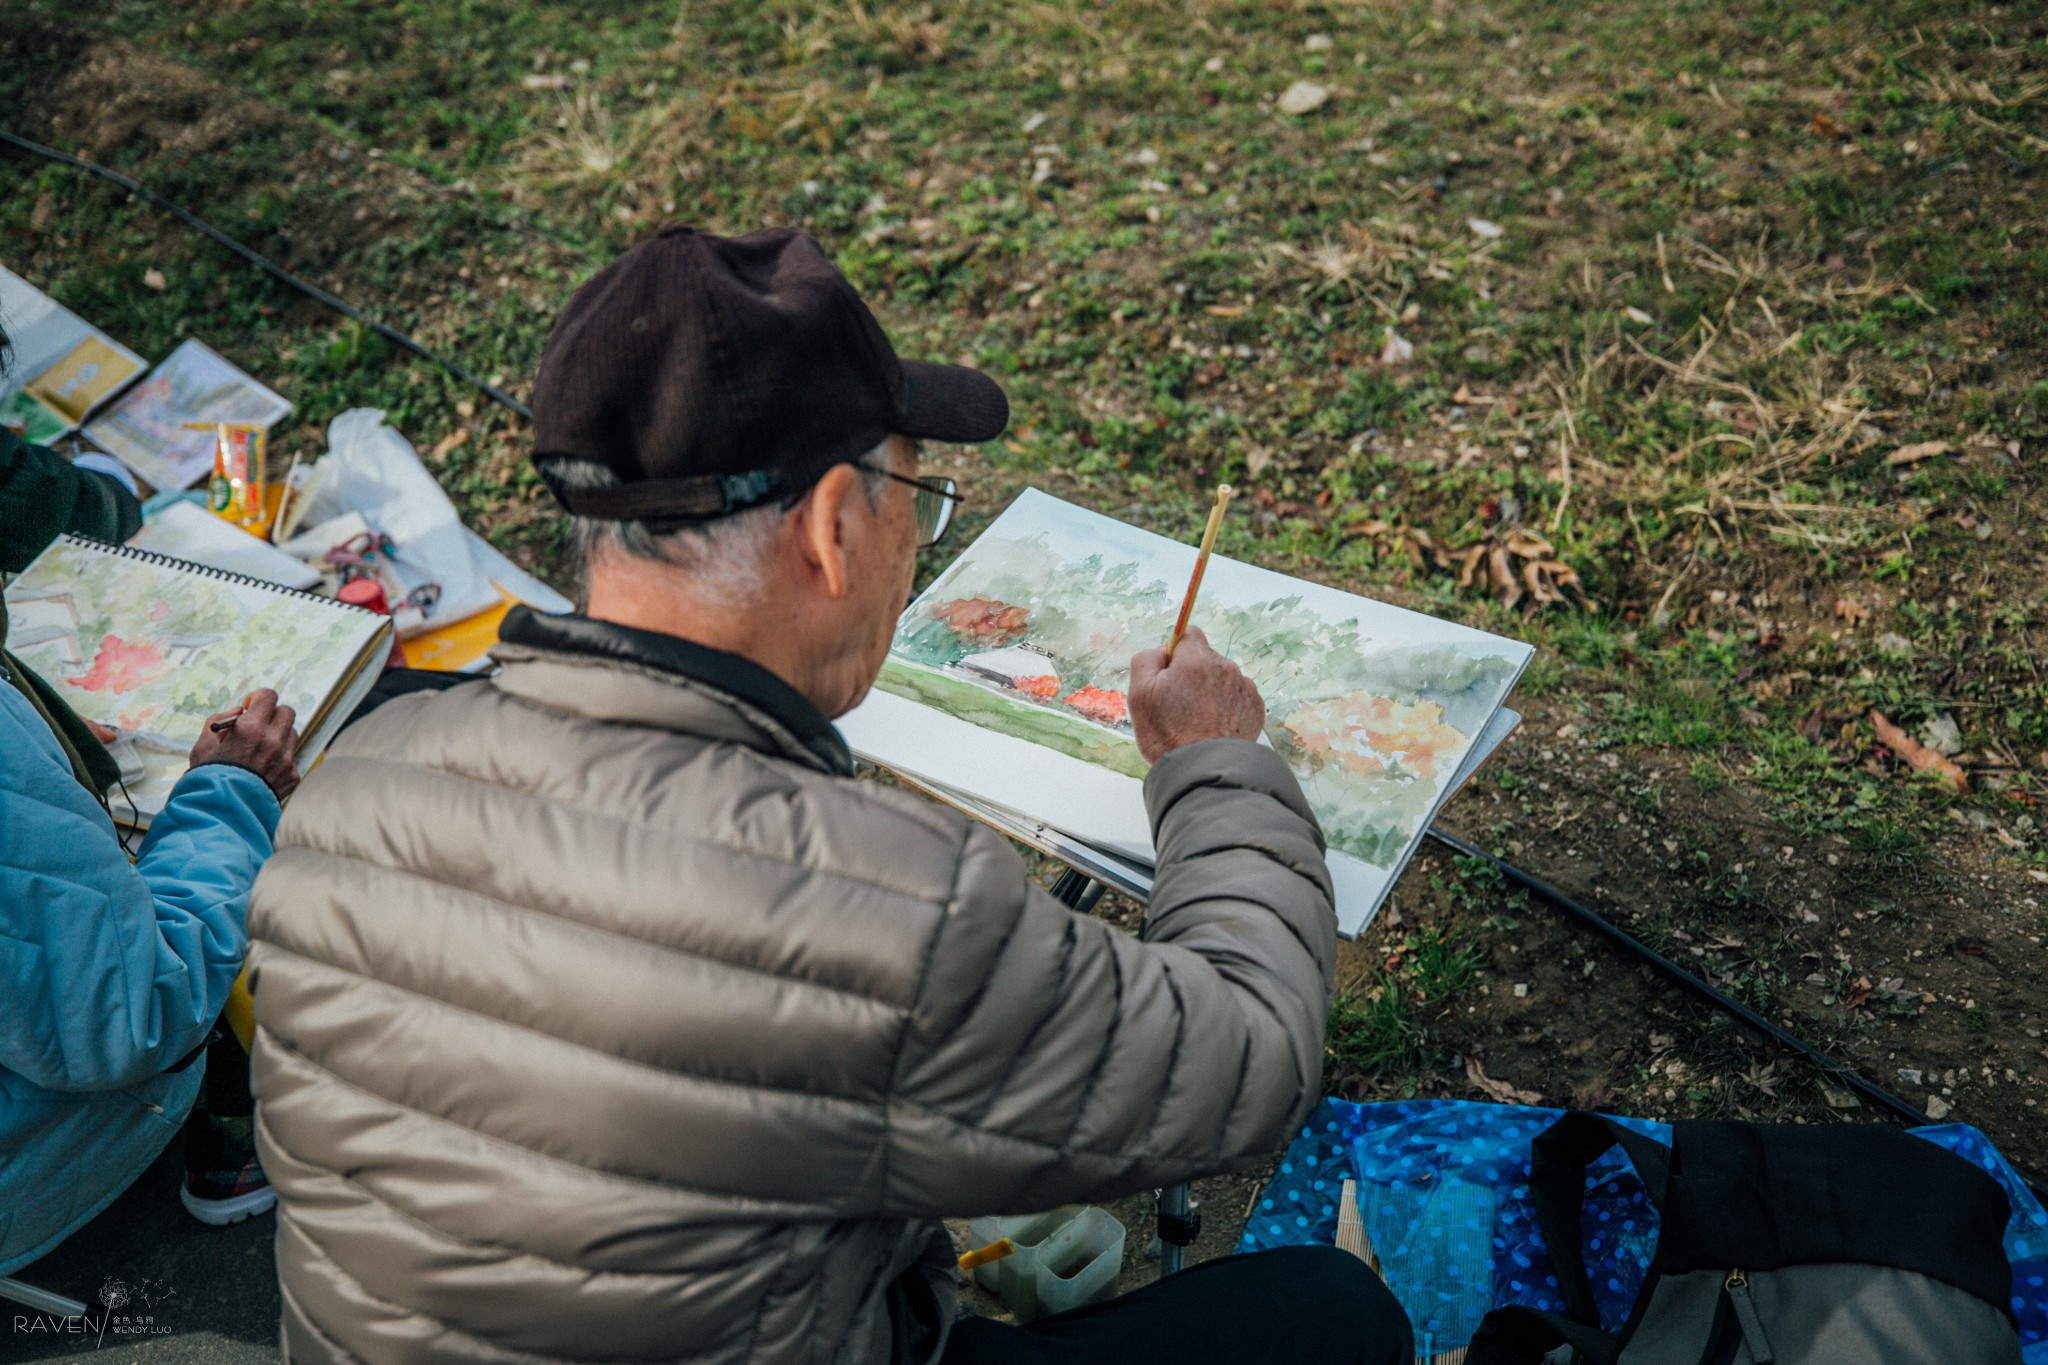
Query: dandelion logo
[113, 1294]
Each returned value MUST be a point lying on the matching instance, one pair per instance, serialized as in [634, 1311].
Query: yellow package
[236, 490]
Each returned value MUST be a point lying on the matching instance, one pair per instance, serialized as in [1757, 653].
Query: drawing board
[1006, 682]
[150, 647]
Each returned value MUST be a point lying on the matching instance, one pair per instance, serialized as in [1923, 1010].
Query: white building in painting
[1009, 666]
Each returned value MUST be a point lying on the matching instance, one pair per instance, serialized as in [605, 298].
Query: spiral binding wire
[162, 560]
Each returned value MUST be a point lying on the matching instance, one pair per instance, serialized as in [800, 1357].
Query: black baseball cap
[712, 374]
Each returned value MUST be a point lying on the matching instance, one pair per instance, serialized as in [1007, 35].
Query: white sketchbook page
[184, 531]
[41, 332]
[1105, 808]
[151, 650]
[38, 328]
[147, 427]
[1359, 889]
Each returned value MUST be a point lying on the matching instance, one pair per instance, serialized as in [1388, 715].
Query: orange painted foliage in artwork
[1099, 704]
[122, 667]
[983, 619]
[1043, 686]
[1366, 735]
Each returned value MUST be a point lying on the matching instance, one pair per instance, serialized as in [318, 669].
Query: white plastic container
[1014, 1279]
[1063, 1259]
[1078, 1264]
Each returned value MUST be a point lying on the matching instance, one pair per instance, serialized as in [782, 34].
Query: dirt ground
[1840, 946]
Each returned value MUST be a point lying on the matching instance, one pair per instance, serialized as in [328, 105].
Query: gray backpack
[1776, 1245]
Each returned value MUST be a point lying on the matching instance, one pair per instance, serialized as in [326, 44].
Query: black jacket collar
[716, 669]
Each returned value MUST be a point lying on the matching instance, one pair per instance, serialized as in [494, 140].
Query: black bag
[1841, 1245]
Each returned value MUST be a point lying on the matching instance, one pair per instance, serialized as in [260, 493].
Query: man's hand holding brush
[1186, 691]
[1198, 695]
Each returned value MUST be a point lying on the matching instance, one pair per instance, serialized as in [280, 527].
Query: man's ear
[825, 526]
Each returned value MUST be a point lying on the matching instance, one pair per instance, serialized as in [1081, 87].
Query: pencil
[981, 1256]
[1187, 605]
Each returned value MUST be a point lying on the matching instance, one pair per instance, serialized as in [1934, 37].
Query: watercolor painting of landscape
[158, 428]
[151, 650]
[1030, 633]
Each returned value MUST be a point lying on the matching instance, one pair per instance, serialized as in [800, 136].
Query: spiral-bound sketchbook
[1005, 686]
[151, 646]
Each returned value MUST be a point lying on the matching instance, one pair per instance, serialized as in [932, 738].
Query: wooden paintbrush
[1187, 605]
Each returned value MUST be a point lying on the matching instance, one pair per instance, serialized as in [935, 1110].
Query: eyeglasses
[932, 502]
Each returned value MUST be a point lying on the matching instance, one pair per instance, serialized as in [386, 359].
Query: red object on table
[368, 593]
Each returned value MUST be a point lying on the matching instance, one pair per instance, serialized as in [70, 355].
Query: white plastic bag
[370, 469]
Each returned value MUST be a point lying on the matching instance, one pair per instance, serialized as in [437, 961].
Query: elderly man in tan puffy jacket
[604, 1015]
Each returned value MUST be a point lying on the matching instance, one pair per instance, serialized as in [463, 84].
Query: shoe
[224, 1182]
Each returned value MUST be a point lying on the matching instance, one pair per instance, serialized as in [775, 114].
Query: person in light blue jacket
[112, 975]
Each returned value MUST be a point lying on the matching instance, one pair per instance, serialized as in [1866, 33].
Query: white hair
[725, 558]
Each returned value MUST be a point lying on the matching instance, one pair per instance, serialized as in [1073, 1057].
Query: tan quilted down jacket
[603, 1015]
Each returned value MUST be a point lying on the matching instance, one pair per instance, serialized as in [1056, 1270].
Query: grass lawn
[1734, 313]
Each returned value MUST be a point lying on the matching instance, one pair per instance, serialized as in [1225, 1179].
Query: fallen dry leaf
[1224, 310]
[153, 278]
[450, 442]
[1506, 586]
[1638, 316]
[1398, 350]
[1468, 565]
[1256, 459]
[1857, 993]
[1915, 754]
[1852, 611]
[1918, 451]
[1500, 1092]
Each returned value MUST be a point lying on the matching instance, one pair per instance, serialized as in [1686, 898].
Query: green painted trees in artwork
[1373, 728]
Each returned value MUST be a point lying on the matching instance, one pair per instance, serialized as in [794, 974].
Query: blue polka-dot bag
[1445, 1196]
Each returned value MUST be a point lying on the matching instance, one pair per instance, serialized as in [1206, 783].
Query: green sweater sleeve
[43, 496]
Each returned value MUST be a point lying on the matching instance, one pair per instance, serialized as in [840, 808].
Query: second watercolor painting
[1030, 632]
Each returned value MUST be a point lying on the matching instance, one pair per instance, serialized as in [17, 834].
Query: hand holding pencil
[258, 736]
